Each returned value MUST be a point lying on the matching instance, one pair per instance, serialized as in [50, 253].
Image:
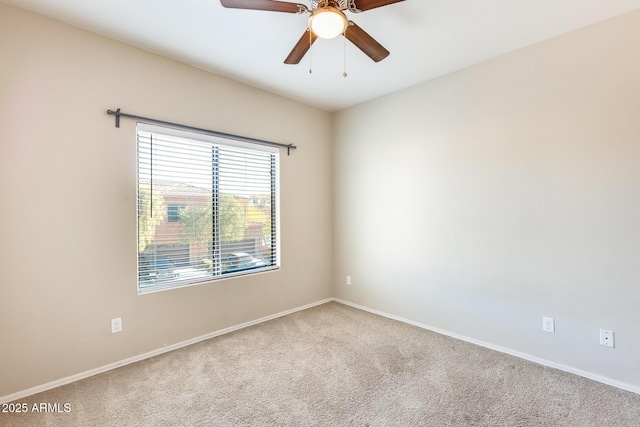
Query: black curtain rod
[119, 114]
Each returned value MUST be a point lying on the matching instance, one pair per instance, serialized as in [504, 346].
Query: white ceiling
[426, 39]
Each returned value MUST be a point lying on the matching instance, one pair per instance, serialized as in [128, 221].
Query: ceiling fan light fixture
[328, 22]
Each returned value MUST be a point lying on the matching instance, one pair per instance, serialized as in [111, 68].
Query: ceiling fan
[327, 21]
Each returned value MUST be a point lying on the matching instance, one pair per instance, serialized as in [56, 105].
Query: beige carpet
[334, 365]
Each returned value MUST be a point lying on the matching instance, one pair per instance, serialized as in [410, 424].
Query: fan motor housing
[338, 4]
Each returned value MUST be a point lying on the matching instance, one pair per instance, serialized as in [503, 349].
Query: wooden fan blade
[363, 5]
[270, 5]
[301, 48]
[365, 42]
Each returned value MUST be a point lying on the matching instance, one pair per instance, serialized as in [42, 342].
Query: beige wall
[67, 191]
[479, 202]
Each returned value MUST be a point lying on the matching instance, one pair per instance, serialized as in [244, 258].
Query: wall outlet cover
[116, 325]
[607, 338]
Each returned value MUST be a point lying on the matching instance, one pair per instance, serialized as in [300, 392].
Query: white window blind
[207, 208]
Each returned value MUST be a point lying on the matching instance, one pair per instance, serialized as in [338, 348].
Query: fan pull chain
[344, 74]
[310, 44]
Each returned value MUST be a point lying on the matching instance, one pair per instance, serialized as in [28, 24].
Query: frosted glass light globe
[328, 22]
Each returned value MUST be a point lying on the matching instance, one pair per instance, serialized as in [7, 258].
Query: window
[173, 212]
[207, 208]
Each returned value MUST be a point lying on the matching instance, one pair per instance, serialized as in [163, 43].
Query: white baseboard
[540, 361]
[115, 365]
[92, 372]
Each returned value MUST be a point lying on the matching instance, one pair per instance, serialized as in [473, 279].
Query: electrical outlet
[348, 280]
[606, 338]
[548, 324]
[116, 325]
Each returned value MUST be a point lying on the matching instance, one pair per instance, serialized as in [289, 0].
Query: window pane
[205, 209]
[173, 212]
[245, 209]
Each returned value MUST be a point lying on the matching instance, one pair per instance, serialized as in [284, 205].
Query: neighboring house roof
[176, 188]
